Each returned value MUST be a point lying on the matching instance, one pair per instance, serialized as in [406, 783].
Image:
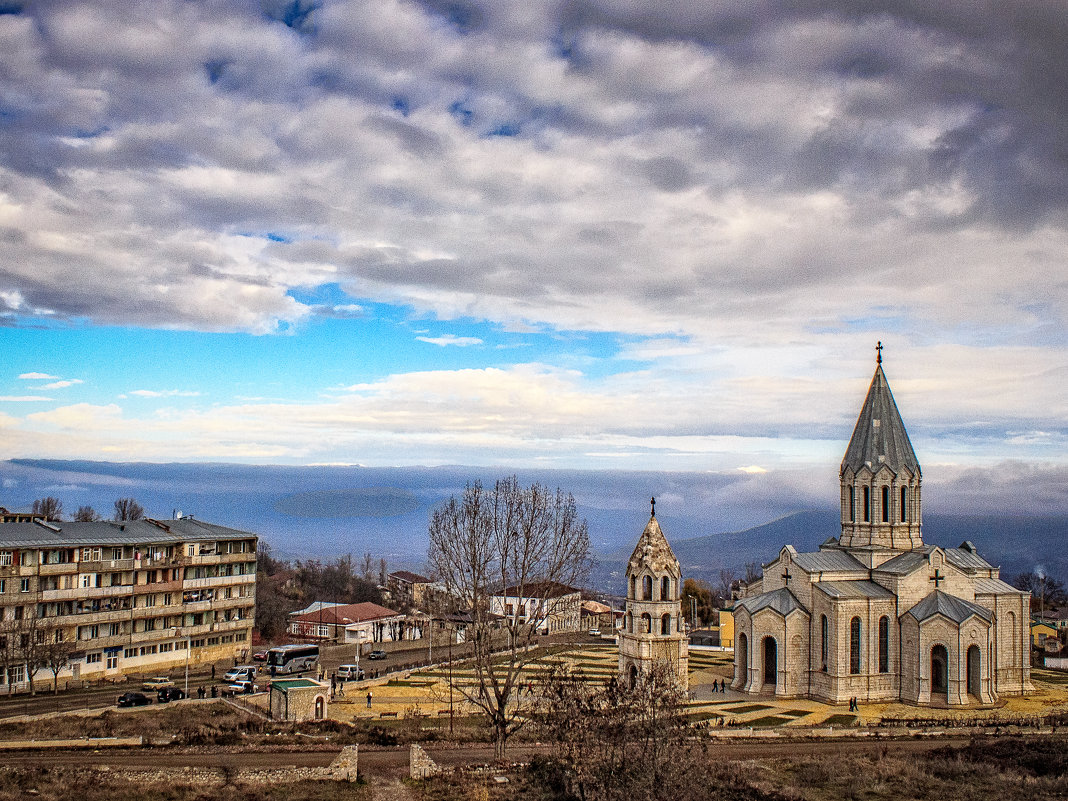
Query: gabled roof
[653, 552]
[993, 586]
[831, 560]
[409, 577]
[879, 437]
[905, 563]
[346, 614]
[854, 589]
[538, 589]
[780, 600]
[70, 534]
[950, 606]
[966, 559]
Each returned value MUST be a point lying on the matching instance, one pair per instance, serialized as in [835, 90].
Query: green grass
[839, 720]
[767, 722]
[741, 710]
[794, 713]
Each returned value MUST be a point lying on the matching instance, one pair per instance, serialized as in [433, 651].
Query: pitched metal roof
[830, 560]
[854, 589]
[905, 563]
[956, 609]
[780, 600]
[993, 586]
[966, 559]
[879, 437]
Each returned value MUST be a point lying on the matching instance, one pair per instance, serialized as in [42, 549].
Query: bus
[291, 658]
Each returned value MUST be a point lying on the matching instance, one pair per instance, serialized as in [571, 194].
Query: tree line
[51, 509]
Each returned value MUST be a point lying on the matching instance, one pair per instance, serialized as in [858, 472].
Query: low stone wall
[420, 765]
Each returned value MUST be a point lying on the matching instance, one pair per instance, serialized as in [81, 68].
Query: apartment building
[95, 600]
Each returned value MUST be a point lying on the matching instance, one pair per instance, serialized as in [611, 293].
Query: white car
[350, 673]
[595, 632]
[241, 673]
[156, 683]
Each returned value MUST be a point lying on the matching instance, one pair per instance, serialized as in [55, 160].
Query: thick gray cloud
[733, 172]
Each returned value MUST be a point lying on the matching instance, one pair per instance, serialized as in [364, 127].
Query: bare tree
[529, 540]
[51, 508]
[615, 742]
[368, 567]
[32, 645]
[383, 573]
[727, 581]
[86, 514]
[57, 651]
[752, 572]
[128, 509]
[9, 651]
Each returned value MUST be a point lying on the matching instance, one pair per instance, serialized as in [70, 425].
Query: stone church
[875, 613]
[653, 632]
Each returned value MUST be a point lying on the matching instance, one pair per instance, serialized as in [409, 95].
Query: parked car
[156, 683]
[166, 694]
[260, 656]
[134, 699]
[377, 655]
[350, 673]
[241, 673]
[240, 688]
[595, 632]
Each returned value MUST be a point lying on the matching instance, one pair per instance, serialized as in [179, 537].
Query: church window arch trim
[647, 588]
[854, 646]
[884, 644]
[886, 504]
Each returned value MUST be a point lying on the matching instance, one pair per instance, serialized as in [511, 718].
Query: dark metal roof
[905, 563]
[879, 437]
[967, 560]
[780, 600]
[854, 589]
[993, 586]
[956, 609]
[828, 561]
[131, 532]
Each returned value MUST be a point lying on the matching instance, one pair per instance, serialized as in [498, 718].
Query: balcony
[90, 618]
[80, 593]
[218, 581]
[59, 568]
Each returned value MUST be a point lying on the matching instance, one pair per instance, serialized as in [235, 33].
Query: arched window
[823, 643]
[647, 588]
[854, 645]
[665, 624]
[884, 644]
[904, 503]
[665, 589]
[634, 587]
[867, 504]
[886, 504]
[852, 504]
[741, 660]
[647, 624]
[630, 622]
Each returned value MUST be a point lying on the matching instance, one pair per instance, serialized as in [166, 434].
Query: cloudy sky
[586, 233]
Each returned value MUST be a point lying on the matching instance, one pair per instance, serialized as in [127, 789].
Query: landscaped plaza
[425, 694]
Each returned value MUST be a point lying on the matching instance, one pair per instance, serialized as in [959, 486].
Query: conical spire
[879, 437]
[652, 551]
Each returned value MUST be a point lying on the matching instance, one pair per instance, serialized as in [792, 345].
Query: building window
[665, 589]
[24, 586]
[904, 503]
[886, 504]
[854, 645]
[3, 586]
[665, 624]
[867, 504]
[112, 660]
[92, 659]
[852, 504]
[823, 643]
[5, 558]
[884, 644]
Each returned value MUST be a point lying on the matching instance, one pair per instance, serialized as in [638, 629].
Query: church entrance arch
[742, 661]
[633, 677]
[320, 707]
[771, 660]
[974, 670]
[939, 672]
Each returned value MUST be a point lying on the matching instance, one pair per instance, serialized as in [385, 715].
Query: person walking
[368, 699]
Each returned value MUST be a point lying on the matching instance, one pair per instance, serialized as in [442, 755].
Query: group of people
[854, 704]
[719, 686]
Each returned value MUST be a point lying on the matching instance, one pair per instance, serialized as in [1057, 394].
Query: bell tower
[652, 628]
[880, 476]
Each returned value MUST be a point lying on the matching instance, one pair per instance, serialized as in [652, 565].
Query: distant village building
[408, 589]
[550, 607]
[652, 632]
[876, 614]
[364, 622]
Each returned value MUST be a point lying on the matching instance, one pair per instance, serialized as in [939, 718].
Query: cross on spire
[937, 578]
[652, 503]
[879, 352]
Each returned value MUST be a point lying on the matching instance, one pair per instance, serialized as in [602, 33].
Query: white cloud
[23, 398]
[37, 377]
[450, 339]
[68, 382]
[164, 393]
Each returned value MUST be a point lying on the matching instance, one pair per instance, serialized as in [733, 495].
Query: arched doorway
[939, 672]
[974, 671]
[633, 677]
[771, 660]
[741, 661]
[320, 707]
